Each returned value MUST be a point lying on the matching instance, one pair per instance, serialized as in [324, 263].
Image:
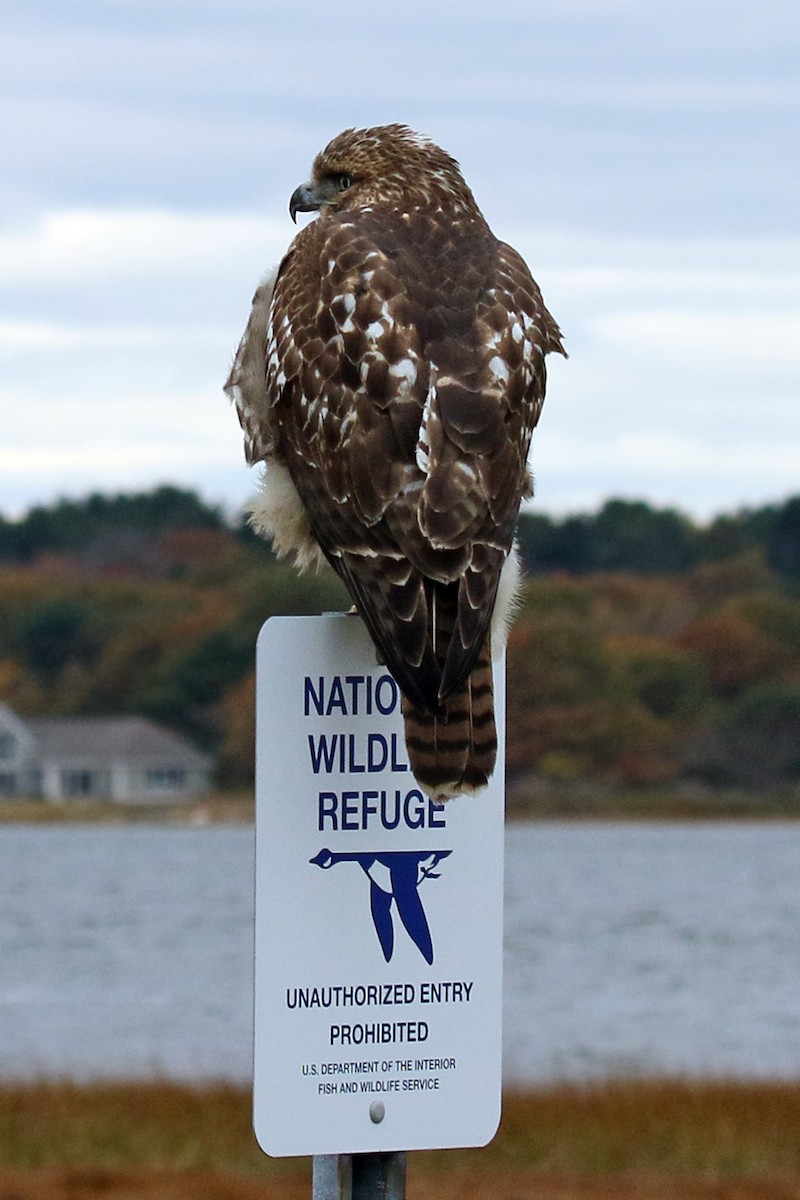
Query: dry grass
[88, 1184]
[633, 1140]
[128, 1124]
[662, 1127]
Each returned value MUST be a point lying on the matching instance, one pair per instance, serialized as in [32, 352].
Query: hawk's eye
[343, 182]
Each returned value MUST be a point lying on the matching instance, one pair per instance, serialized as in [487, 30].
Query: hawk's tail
[453, 752]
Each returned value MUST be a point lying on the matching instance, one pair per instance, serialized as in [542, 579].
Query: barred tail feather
[453, 752]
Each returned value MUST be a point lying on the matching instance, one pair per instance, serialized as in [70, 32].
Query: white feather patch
[506, 602]
[277, 512]
[498, 368]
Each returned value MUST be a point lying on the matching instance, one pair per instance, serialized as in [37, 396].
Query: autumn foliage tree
[646, 649]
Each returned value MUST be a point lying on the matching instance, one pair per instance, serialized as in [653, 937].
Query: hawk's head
[389, 164]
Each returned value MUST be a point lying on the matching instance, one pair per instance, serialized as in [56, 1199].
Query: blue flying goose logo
[394, 878]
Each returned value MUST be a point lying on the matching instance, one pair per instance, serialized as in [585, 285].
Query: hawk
[390, 377]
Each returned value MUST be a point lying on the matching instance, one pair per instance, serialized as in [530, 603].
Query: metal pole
[379, 1176]
[331, 1177]
[359, 1176]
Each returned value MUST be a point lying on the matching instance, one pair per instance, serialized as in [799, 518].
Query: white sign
[379, 914]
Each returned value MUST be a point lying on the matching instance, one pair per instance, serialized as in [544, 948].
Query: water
[653, 948]
[127, 951]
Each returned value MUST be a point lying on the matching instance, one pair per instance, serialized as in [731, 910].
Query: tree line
[630, 535]
[659, 654]
[623, 535]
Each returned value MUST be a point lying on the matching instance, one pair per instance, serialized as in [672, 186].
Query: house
[129, 760]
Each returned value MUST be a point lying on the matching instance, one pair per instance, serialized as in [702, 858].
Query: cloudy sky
[642, 155]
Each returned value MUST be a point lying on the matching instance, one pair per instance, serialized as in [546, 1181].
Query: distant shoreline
[539, 801]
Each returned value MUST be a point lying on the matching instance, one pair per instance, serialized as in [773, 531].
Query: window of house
[166, 779]
[77, 783]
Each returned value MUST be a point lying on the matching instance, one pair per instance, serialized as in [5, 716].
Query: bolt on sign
[379, 914]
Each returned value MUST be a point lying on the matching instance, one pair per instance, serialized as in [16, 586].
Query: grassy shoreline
[675, 1137]
[667, 1126]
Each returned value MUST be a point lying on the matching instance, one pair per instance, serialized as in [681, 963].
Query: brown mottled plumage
[390, 377]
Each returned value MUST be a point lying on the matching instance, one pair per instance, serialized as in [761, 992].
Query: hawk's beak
[304, 199]
[311, 196]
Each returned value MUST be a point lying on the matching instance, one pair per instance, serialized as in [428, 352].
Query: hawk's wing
[404, 376]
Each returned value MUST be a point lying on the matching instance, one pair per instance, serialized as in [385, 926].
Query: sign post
[379, 920]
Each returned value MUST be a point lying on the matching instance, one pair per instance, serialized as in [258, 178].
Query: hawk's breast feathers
[390, 377]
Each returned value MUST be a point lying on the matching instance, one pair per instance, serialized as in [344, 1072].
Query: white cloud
[575, 470]
[755, 341]
[84, 245]
[22, 337]
[684, 377]
[151, 149]
[71, 440]
[117, 328]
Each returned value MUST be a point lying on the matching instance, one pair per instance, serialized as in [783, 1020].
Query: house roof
[103, 739]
